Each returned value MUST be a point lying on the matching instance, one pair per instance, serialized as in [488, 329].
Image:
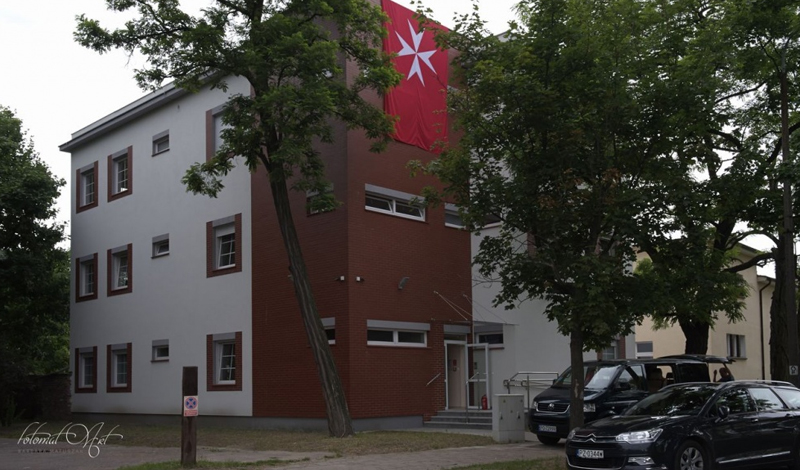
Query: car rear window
[790, 396]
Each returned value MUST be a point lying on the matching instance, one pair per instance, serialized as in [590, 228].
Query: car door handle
[753, 420]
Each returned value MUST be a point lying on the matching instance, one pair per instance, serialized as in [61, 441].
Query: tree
[294, 54]
[34, 271]
[555, 143]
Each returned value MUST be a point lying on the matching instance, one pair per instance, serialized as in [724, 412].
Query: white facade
[531, 343]
[150, 312]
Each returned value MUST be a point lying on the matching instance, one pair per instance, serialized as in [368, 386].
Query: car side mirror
[723, 411]
[624, 386]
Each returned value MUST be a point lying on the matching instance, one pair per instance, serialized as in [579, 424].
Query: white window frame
[158, 140]
[119, 160]
[159, 243]
[219, 357]
[736, 346]
[611, 350]
[88, 277]
[395, 201]
[120, 270]
[397, 329]
[451, 211]
[645, 354]
[224, 235]
[86, 364]
[119, 367]
[219, 126]
[88, 181]
[159, 347]
[330, 325]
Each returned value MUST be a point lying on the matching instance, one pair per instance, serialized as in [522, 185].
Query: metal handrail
[539, 380]
[434, 378]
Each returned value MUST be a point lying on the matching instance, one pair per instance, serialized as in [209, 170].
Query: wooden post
[188, 423]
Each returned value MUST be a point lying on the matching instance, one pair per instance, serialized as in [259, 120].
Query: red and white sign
[420, 100]
[190, 406]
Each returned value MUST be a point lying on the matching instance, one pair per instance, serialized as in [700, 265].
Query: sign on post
[190, 407]
[793, 370]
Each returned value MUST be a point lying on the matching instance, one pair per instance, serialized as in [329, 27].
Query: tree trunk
[778, 327]
[576, 362]
[339, 422]
[696, 334]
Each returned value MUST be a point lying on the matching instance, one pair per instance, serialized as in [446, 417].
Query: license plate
[590, 454]
[546, 428]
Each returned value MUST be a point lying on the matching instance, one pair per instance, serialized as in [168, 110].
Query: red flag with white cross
[420, 100]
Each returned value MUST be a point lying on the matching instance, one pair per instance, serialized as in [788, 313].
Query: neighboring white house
[746, 342]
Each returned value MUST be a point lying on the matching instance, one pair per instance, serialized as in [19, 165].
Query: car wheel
[548, 440]
[691, 456]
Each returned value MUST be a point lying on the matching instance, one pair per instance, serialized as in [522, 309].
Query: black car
[610, 388]
[693, 426]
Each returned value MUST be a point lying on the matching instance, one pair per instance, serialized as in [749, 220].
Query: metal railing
[528, 380]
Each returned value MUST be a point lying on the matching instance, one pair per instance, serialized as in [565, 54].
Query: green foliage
[34, 271]
[555, 143]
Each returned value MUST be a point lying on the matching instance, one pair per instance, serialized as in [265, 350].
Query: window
[160, 350]
[118, 367]
[736, 347]
[392, 202]
[86, 278]
[451, 217]
[388, 333]
[224, 362]
[330, 329]
[86, 193]
[644, 349]
[214, 128]
[737, 400]
[790, 396]
[224, 246]
[491, 338]
[85, 370]
[160, 142]
[766, 400]
[120, 174]
[609, 353]
[120, 270]
[161, 245]
[317, 203]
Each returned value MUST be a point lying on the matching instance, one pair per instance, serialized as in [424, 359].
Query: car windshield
[596, 376]
[674, 401]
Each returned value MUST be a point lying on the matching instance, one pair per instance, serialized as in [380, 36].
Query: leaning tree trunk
[696, 334]
[576, 362]
[339, 422]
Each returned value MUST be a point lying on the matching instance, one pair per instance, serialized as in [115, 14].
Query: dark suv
[610, 388]
[739, 424]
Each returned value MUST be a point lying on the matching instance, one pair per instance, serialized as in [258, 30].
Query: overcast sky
[58, 87]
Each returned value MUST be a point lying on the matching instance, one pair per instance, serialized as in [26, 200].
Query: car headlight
[571, 434]
[588, 408]
[535, 405]
[639, 437]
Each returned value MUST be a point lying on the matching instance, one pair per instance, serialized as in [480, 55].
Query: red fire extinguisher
[484, 403]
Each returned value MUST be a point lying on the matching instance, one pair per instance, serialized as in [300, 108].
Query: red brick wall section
[210, 369]
[78, 371]
[110, 388]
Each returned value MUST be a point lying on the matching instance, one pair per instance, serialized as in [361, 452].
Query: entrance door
[479, 376]
[455, 358]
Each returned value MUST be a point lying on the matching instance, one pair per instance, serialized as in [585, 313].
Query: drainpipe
[761, 323]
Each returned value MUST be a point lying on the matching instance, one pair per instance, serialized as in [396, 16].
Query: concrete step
[451, 419]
